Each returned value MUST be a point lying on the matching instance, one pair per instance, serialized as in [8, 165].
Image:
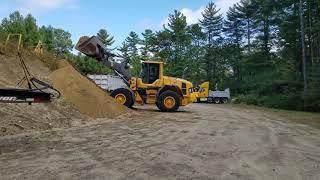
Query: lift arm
[93, 47]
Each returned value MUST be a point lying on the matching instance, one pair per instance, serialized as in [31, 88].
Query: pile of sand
[20, 118]
[83, 93]
[80, 98]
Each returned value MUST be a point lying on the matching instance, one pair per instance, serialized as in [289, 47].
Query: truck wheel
[216, 100]
[123, 96]
[223, 100]
[210, 100]
[168, 101]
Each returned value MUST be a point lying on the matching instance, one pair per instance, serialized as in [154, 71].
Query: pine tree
[212, 22]
[132, 42]
[105, 37]
[124, 50]
[246, 15]
[178, 33]
[233, 29]
[148, 44]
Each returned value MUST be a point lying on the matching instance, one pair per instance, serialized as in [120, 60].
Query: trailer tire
[168, 101]
[223, 100]
[123, 96]
[216, 100]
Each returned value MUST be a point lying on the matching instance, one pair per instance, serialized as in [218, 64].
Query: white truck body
[220, 94]
[108, 82]
[217, 97]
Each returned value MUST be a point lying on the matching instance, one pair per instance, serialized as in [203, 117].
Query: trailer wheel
[223, 100]
[216, 100]
[123, 96]
[168, 101]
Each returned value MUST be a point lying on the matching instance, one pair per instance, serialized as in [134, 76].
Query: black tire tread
[162, 96]
[129, 96]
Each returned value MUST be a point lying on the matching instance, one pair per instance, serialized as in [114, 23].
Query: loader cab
[151, 71]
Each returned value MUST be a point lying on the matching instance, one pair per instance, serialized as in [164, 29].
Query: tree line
[256, 49]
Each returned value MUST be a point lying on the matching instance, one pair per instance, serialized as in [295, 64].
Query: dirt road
[202, 142]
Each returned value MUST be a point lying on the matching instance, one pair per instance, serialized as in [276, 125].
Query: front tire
[168, 101]
[123, 96]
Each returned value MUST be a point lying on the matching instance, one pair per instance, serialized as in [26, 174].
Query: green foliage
[105, 37]
[31, 30]
[62, 43]
[132, 41]
[57, 41]
[212, 21]
[88, 65]
[47, 37]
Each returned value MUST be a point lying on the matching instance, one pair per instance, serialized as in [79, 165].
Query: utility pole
[303, 46]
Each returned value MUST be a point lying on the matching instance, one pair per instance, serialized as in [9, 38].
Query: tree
[233, 29]
[196, 54]
[148, 44]
[124, 49]
[212, 25]
[31, 31]
[265, 22]
[15, 23]
[132, 42]
[47, 37]
[176, 40]
[62, 43]
[212, 22]
[245, 11]
[105, 37]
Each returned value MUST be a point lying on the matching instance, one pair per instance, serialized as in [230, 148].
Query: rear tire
[123, 96]
[216, 100]
[168, 101]
[223, 100]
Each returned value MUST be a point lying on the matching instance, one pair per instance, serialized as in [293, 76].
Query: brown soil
[202, 141]
[20, 118]
[84, 94]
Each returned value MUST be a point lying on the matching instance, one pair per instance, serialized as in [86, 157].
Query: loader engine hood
[178, 81]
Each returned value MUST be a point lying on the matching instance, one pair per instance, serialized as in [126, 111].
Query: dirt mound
[84, 94]
[19, 118]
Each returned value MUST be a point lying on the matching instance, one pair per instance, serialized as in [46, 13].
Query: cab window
[149, 73]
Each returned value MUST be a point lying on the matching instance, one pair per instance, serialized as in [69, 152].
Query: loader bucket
[91, 47]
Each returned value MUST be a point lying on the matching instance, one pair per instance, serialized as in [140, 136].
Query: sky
[119, 17]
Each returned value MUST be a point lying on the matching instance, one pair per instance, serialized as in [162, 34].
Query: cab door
[150, 73]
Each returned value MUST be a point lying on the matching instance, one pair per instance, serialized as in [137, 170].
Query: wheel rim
[121, 98]
[169, 102]
[217, 101]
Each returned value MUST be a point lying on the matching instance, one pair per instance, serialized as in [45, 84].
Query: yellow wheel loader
[152, 87]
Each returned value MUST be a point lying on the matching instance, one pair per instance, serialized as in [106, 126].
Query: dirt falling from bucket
[84, 94]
